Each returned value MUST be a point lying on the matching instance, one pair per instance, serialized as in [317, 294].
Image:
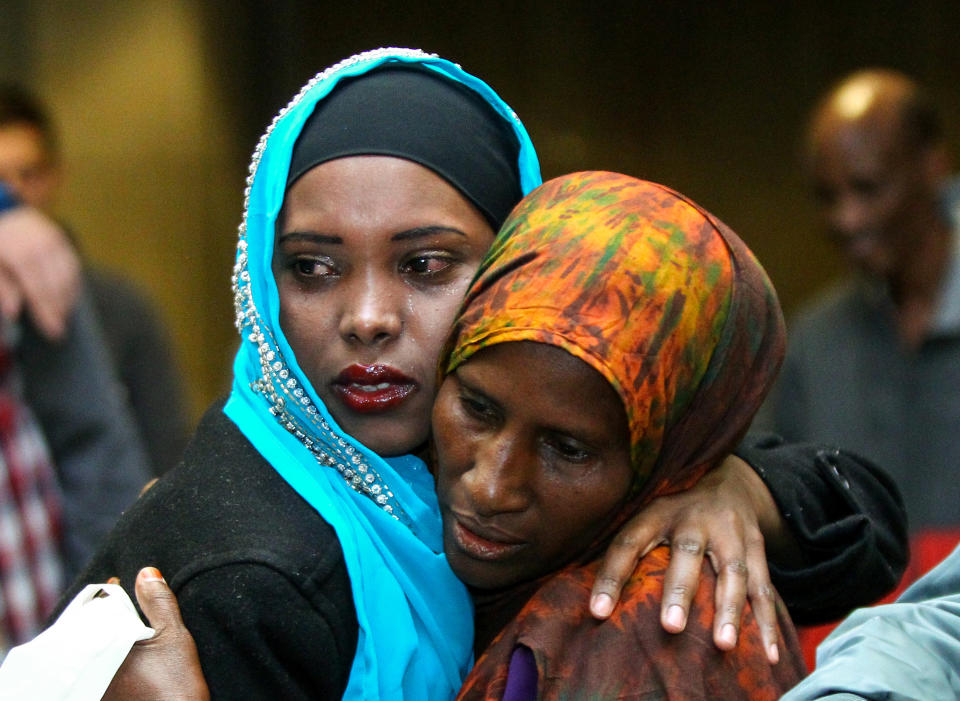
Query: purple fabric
[522, 676]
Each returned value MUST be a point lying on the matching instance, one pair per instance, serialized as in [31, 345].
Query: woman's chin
[482, 575]
[385, 436]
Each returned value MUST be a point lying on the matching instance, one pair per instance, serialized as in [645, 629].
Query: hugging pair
[613, 346]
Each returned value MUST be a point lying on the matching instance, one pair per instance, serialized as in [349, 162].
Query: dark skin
[877, 186]
[689, 521]
[356, 286]
[737, 541]
[165, 667]
[526, 478]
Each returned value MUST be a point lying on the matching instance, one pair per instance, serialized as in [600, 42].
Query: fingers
[157, 600]
[731, 541]
[730, 598]
[39, 261]
[680, 581]
[637, 537]
[763, 602]
[11, 299]
[739, 578]
[49, 320]
[51, 290]
[166, 666]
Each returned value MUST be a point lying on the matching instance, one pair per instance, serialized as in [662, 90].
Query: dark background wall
[709, 98]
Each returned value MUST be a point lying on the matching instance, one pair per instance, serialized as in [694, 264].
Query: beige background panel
[151, 181]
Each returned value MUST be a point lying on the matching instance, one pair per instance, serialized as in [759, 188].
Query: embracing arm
[811, 521]
[846, 518]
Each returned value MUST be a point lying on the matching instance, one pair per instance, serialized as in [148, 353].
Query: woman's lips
[372, 388]
[483, 547]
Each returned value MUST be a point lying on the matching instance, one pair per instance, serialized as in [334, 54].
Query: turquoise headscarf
[415, 617]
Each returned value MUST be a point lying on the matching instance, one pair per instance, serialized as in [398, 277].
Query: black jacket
[848, 518]
[259, 576]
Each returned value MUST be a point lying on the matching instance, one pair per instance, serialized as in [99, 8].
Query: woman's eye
[569, 450]
[476, 408]
[312, 267]
[427, 264]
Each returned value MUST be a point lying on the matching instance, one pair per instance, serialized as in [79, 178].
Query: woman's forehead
[380, 193]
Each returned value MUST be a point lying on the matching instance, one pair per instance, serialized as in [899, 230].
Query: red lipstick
[372, 388]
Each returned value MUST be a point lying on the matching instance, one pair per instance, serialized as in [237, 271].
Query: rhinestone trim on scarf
[276, 384]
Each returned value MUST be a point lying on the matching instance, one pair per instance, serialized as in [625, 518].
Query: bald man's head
[878, 161]
[881, 99]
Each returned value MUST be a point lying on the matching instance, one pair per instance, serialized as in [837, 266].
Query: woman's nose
[500, 479]
[372, 313]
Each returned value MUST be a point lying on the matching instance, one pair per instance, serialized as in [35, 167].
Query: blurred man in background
[874, 363]
[70, 456]
[139, 344]
[77, 349]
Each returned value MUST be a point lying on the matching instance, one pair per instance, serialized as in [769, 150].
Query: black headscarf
[413, 113]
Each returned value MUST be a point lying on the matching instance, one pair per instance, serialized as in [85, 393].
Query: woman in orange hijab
[613, 348]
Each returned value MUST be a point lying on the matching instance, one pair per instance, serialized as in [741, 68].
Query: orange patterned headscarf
[652, 292]
[670, 306]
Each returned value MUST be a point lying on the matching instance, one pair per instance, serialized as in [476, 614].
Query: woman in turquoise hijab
[415, 617]
[286, 506]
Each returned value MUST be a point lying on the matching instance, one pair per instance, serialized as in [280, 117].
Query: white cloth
[76, 658]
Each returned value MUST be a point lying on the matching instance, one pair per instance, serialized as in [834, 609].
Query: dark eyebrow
[407, 235]
[469, 388]
[424, 231]
[309, 236]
